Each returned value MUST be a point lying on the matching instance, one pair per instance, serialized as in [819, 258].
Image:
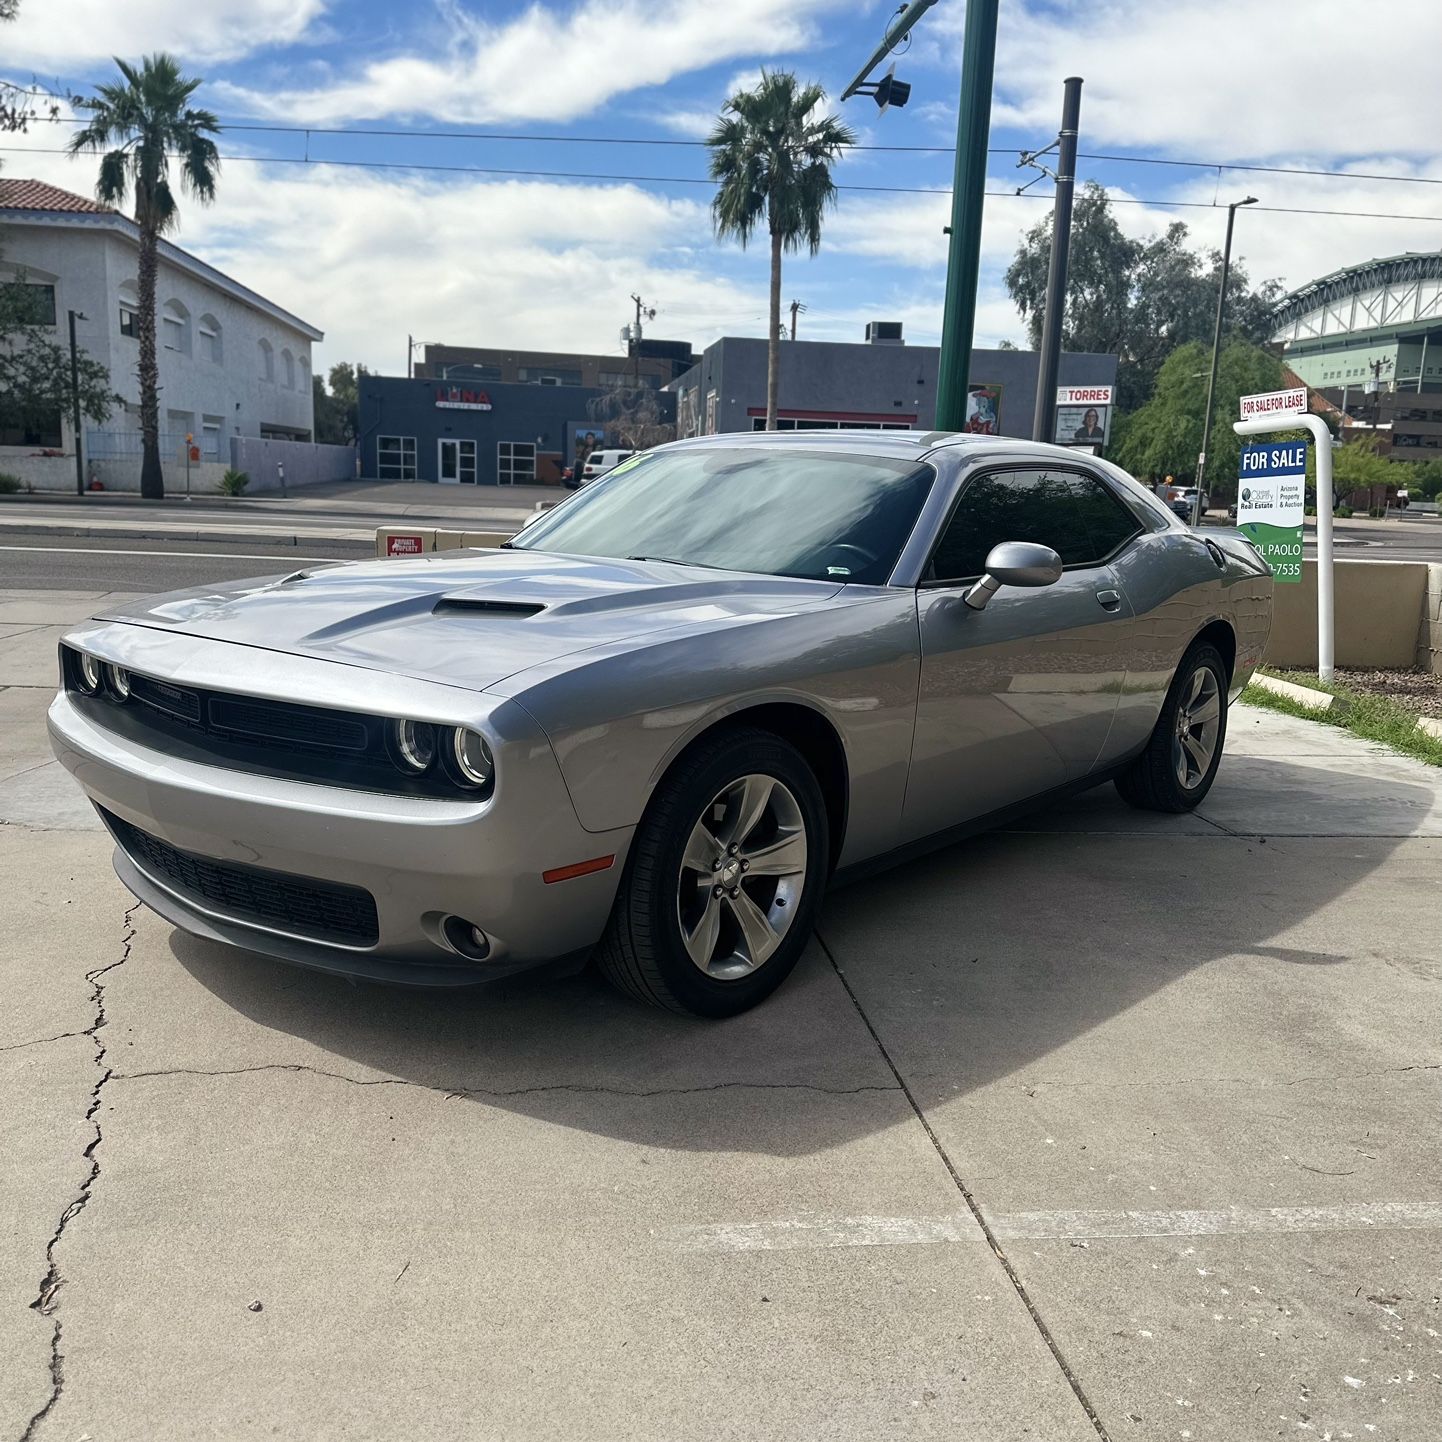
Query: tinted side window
[1108, 522]
[1030, 505]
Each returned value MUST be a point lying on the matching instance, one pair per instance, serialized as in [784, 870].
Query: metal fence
[114, 445]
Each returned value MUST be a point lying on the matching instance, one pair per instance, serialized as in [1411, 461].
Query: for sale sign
[1275, 403]
[1271, 495]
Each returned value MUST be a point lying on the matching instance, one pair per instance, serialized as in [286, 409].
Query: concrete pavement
[1108, 1125]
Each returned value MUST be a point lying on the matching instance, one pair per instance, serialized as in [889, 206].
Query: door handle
[1110, 600]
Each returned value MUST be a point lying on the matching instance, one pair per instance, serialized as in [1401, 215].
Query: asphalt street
[1108, 1126]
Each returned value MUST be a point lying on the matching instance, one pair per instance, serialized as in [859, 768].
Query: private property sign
[1275, 403]
[405, 545]
[1270, 496]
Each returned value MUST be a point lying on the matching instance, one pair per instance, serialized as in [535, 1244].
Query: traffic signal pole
[973, 128]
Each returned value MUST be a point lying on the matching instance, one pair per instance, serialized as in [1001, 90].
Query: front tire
[1179, 764]
[723, 881]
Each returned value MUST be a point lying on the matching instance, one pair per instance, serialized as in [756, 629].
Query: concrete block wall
[306, 463]
[1383, 611]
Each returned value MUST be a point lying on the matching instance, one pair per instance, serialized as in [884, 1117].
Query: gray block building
[881, 382]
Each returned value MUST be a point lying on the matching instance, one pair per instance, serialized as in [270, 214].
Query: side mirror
[1014, 563]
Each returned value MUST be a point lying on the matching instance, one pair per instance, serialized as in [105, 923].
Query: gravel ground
[1419, 690]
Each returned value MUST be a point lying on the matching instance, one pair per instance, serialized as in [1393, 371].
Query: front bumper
[421, 859]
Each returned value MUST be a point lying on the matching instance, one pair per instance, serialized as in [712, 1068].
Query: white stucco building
[231, 361]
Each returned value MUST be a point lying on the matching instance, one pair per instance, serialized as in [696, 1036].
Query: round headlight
[414, 744]
[474, 763]
[89, 673]
[119, 679]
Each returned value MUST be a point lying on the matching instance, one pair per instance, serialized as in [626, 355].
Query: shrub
[10, 485]
[233, 482]
[1309, 510]
[1343, 513]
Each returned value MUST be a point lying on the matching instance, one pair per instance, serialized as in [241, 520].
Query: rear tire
[723, 881]
[1179, 764]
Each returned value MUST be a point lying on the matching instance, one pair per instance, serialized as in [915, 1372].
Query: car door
[1017, 698]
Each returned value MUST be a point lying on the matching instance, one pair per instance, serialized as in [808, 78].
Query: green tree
[136, 127]
[1136, 299]
[1165, 435]
[1427, 476]
[35, 384]
[771, 159]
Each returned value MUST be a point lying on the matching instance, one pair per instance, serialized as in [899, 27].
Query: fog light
[413, 745]
[119, 679]
[472, 757]
[89, 673]
[465, 938]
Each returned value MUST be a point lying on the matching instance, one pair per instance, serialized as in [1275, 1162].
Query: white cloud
[543, 64]
[64, 35]
[1232, 78]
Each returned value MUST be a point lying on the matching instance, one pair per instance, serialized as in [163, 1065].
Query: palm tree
[771, 157]
[137, 127]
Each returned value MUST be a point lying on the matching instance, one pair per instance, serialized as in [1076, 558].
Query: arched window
[129, 300]
[287, 369]
[304, 367]
[212, 340]
[175, 327]
[267, 361]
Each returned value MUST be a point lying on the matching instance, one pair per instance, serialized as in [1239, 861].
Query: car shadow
[971, 964]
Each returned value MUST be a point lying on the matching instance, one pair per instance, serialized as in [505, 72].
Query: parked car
[655, 725]
[1184, 498]
[597, 464]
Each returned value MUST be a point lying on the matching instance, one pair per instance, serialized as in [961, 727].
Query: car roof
[889, 443]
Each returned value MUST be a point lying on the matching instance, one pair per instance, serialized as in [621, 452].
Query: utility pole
[1047, 363]
[795, 307]
[410, 356]
[1216, 352]
[75, 402]
[646, 313]
[973, 125]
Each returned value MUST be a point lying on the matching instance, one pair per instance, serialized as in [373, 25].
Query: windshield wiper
[663, 560]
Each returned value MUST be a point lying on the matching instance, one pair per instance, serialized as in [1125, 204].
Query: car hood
[470, 618]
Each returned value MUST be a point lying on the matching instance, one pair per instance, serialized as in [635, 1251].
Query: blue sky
[372, 254]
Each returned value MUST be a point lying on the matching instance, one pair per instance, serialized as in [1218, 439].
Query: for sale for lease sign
[1271, 494]
[1275, 403]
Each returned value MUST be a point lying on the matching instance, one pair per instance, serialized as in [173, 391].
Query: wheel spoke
[701, 939]
[1205, 711]
[702, 850]
[783, 857]
[1181, 760]
[750, 804]
[759, 935]
[1199, 679]
[1200, 754]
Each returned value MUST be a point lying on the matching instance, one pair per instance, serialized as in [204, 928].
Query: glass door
[458, 462]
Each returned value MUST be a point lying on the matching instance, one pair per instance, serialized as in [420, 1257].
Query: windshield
[818, 515]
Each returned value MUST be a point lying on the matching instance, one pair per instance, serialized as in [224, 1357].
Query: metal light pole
[75, 402]
[1055, 312]
[973, 124]
[1216, 352]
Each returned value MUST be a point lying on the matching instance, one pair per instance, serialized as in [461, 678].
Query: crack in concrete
[46, 1299]
[449, 1091]
[40, 1040]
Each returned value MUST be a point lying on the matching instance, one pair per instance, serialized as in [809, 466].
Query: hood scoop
[478, 605]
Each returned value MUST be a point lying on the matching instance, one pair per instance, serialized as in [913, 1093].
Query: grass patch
[1374, 718]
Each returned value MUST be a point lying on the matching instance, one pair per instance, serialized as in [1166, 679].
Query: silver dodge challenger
[652, 728]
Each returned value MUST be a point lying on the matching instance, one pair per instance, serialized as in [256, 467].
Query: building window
[548, 376]
[212, 346]
[40, 431]
[287, 369]
[33, 302]
[516, 463]
[396, 458]
[267, 361]
[175, 327]
[710, 413]
[129, 310]
[210, 427]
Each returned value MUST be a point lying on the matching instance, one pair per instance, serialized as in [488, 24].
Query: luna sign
[1270, 504]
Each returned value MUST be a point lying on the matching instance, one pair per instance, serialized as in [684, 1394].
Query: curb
[1302, 695]
[228, 536]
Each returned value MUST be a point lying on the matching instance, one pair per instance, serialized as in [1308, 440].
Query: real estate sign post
[1266, 415]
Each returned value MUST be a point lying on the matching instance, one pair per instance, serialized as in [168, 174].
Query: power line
[626, 179]
[502, 135]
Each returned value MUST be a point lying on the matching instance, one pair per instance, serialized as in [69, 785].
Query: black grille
[173, 700]
[324, 910]
[301, 725]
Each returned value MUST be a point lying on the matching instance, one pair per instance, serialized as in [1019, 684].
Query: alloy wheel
[742, 875]
[1199, 721]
